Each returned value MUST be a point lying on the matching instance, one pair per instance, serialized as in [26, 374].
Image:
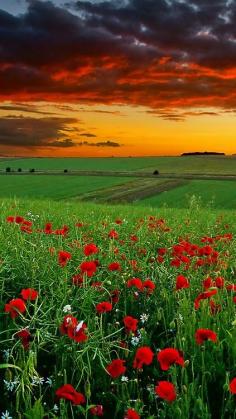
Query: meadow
[188, 164]
[116, 312]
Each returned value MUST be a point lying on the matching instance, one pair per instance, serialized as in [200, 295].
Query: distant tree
[156, 172]
[65, 171]
[19, 170]
[8, 169]
[32, 170]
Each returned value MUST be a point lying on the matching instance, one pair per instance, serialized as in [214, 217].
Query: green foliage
[29, 261]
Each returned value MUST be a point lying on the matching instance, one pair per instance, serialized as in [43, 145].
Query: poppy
[130, 324]
[103, 307]
[15, 307]
[63, 257]
[90, 249]
[169, 356]
[232, 386]
[205, 334]
[131, 414]
[68, 392]
[116, 368]
[89, 268]
[97, 410]
[29, 294]
[166, 390]
[181, 282]
[114, 266]
[143, 356]
[24, 335]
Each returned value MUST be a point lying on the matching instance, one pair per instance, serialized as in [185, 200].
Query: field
[213, 194]
[54, 187]
[200, 165]
[117, 309]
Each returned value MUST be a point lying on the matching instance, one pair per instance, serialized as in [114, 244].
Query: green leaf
[37, 411]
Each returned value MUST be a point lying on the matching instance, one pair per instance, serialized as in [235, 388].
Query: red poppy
[115, 296]
[169, 356]
[207, 283]
[203, 296]
[69, 322]
[63, 257]
[15, 307]
[89, 268]
[116, 368]
[118, 221]
[97, 410]
[78, 279]
[68, 392]
[103, 307]
[181, 282]
[113, 234]
[231, 287]
[29, 294]
[19, 219]
[73, 329]
[135, 282]
[162, 251]
[205, 334]
[114, 266]
[143, 356]
[131, 414]
[149, 286]
[90, 249]
[219, 282]
[130, 323]
[166, 390]
[232, 386]
[10, 219]
[24, 336]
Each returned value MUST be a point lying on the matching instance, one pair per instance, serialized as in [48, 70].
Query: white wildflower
[6, 415]
[37, 380]
[67, 309]
[124, 379]
[144, 317]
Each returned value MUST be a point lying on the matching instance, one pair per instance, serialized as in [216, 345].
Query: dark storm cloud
[165, 53]
[31, 132]
[100, 144]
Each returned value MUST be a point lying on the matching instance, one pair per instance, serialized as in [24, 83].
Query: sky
[117, 78]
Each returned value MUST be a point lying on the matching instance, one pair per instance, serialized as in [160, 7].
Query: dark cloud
[25, 108]
[160, 54]
[87, 134]
[34, 133]
[100, 144]
[177, 115]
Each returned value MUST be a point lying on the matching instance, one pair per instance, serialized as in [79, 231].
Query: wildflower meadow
[116, 312]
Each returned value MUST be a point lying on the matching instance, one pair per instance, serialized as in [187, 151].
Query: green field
[214, 194]
[200, 165]
[59, 338]
[54, 187]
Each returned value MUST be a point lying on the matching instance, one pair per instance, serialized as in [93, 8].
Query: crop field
[191, 164]
[120, 310]
[54, 187]
[214, 194]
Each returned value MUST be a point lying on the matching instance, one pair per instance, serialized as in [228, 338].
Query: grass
[215, 194]
[200, 165]
[29, 259]
[54, 187]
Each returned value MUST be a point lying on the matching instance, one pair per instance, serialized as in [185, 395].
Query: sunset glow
[135, 77]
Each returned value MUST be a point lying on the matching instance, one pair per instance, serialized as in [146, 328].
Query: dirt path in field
[131, 191]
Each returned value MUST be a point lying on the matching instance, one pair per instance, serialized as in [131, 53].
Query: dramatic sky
[117, 77]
